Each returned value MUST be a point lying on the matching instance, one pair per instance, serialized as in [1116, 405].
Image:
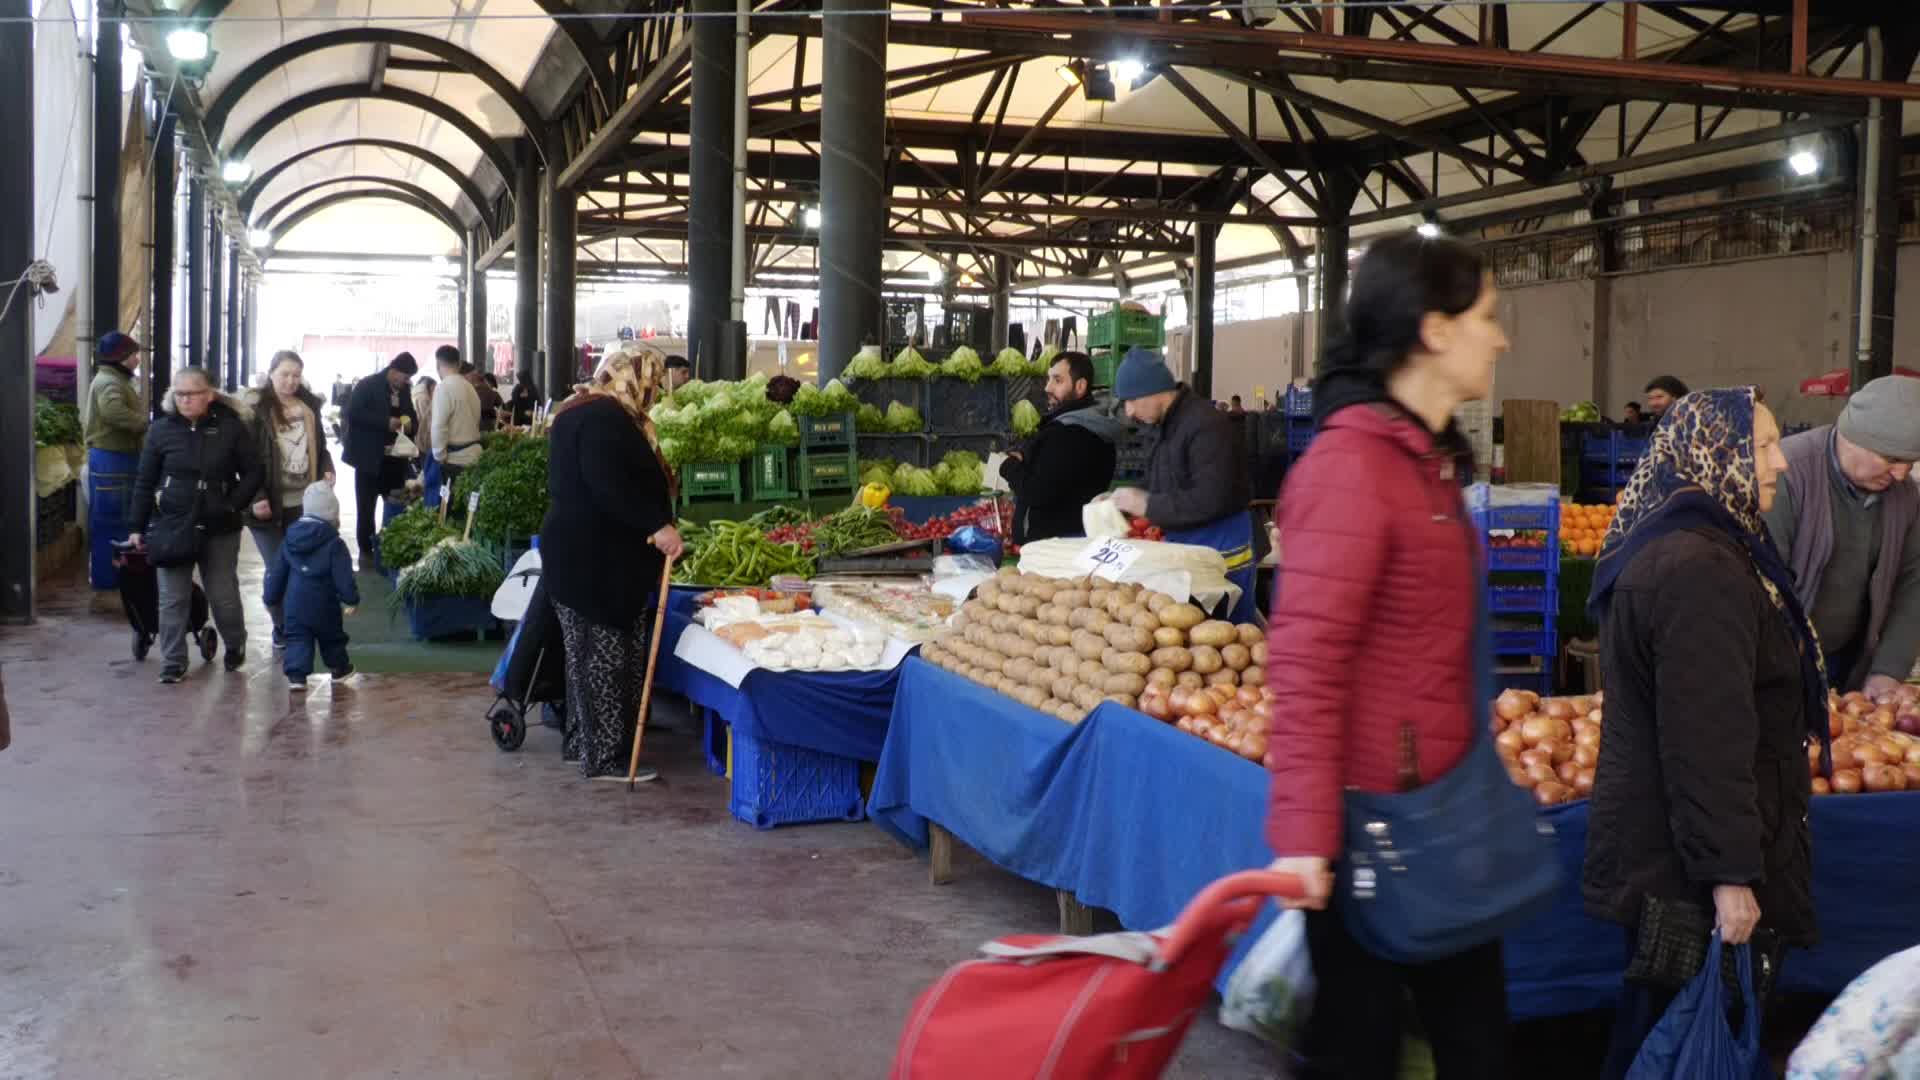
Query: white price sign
[1108, 558]
[446, 492]
[473, 503]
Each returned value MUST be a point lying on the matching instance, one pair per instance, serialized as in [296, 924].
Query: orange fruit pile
[1583, 528]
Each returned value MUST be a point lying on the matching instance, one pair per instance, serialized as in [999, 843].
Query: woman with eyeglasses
[198, 473]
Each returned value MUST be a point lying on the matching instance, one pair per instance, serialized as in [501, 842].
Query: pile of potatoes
[1063, 645]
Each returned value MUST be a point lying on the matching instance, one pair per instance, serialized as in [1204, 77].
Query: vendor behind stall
[1197, 488]
[1068, 461]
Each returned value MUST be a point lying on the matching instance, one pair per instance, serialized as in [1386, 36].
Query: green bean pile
[852, 529]
[736, 554]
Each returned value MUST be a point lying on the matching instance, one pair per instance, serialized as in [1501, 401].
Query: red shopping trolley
[1112, 1006]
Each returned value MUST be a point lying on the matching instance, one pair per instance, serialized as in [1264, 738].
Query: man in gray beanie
[1847, 522]
[1197, 487]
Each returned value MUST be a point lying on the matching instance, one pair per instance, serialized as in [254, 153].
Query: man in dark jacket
[377, 411]
[1067, 462]
[1197, 488]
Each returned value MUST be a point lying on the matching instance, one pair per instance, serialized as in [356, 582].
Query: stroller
[532, 670]
[140, 599]
[1107, 1007]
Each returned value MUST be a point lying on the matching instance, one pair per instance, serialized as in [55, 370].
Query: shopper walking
[292, 451]
[116, 428]
[1847, 523]
[521, 404]
[1714, 684]
[1068, 460]
[377, 412]
[1376, 600]
[312, 575]
[198, 473]
[609, 527]
[455, 429]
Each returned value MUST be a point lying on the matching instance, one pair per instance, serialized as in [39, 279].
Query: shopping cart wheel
[141, 643]
[209, 643]
[509, 727]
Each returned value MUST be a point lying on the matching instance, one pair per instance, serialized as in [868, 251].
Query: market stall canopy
[1839, 382]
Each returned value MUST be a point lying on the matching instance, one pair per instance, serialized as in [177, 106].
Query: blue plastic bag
[974, 540]
[1693, 1041]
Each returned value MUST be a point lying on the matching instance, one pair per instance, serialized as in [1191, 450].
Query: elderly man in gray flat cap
[1847, 521]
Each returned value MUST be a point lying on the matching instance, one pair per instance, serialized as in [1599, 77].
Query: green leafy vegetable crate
[1121, 328]
[1105, 366]
[771, 477]
[709, 480]
[823, 471]
[826, 431]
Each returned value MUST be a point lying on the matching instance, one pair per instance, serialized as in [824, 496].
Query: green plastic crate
[832, 470]
[709, 480]
[1120, 329]
[1105, 366]
[770, 478]
[826, 431]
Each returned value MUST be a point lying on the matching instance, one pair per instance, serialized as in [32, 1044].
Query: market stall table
[1134, 816]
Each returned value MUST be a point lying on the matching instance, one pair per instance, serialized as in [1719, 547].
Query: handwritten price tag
[1107, 557]
[473, 503]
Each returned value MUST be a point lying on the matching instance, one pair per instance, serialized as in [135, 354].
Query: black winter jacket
[312, 577]
[368, 420]
[1198, 472]
[1703, 775]
[608, 495]
[179, 455]
[1062, 467]
[267, 449]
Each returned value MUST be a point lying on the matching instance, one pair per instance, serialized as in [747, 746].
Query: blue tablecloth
[1134, 816]
[835, 712]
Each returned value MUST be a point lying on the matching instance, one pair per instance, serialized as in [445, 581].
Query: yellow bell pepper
[874, 496]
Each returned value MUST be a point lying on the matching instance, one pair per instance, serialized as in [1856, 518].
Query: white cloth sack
[1183, 571]
[403, 447]
[1271, 992]
[510, 600]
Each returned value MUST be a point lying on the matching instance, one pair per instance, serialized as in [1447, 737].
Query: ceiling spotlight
[1804, 163]
[1069, 73]
[187, 45]
[1128, 71]
[966, 280]
[1098, 83]
[260, 238]
[236, 172]
[811, 217]
[1428, 229]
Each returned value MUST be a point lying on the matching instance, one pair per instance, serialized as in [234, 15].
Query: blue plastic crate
[713, 741]
[1520, 518]
[1298, 401]
[1540, 640]
[960, 407]
[1525, 599]
[777, 784]
[1298, 438]
[1524, 560]
[1540, 682]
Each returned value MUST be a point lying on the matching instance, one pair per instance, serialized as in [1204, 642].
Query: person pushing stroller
[313, 578]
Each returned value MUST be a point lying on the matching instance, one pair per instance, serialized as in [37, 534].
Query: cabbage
[903, 418]
[1026, 418]
[838, 398]
[912, 480]
[965, 458]
[1008, 365]
[878, 471]
[963, 364]
[1044, 361]
[911, 365]
[908, 355]
[866, 366]
[782, 431]
[869, 420]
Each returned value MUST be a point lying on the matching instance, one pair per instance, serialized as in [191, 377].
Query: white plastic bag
[1271, 992]
[1100, 519]
[403, 447]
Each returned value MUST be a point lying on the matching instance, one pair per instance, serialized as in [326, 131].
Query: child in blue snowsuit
[313, 578]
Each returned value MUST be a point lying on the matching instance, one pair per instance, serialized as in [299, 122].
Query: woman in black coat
[608, 531]
[1714, 686]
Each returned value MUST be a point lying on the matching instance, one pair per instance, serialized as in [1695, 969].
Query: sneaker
[169, 676]
[235, 658]
[343, 673]
[296, 686]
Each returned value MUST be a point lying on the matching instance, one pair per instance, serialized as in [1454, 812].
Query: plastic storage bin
[777, 784]
[824, 471]
[1298, 402]
[959, 407]
[770, 473]
[710, 481]
[1122, 328]
[880, 393]
[826, 431]
[905, 449]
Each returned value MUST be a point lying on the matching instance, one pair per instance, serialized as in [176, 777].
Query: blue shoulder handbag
[1693, 1040]
[1437, 870]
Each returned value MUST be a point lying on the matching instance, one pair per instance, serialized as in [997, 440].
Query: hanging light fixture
[188, 45]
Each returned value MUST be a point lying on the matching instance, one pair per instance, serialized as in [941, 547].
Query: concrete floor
[208, 880]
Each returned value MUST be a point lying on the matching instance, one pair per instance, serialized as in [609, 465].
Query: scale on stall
[885, 560]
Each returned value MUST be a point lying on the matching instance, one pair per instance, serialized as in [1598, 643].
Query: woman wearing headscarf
[608, 530]
[1714, 686]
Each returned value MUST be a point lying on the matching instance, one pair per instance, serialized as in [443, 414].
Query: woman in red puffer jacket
[1370, 648]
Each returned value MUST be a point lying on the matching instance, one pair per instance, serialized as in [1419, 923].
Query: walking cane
[653, 656]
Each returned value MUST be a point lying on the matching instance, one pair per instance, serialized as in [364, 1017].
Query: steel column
[477, 304]
[236, 356]
[216, 296]
[1889, 57]
[249, 308]
[1002, 293]
[165, 195]
[526, 267]
[853, 189]
[1330, 279]
[107, 139]
[1205, 240]
[17, 509]
[196, 272]
[710, 178]
[562, 350]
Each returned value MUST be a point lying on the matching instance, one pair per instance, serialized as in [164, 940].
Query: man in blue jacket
[379, 409]
[313, 578]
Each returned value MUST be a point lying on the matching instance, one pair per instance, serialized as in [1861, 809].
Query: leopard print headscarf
[634, 376]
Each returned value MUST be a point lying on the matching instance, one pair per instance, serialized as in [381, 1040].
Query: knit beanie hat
[318, 502]
[1142, 373]
[1884, 417]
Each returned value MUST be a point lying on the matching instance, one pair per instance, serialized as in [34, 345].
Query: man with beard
[1068, 461]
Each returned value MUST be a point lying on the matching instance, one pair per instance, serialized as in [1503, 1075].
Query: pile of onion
[1868, 759]
[1550, 746]
[1228, 717]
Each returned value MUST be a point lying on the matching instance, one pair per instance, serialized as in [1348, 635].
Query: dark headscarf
[1698, 472]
